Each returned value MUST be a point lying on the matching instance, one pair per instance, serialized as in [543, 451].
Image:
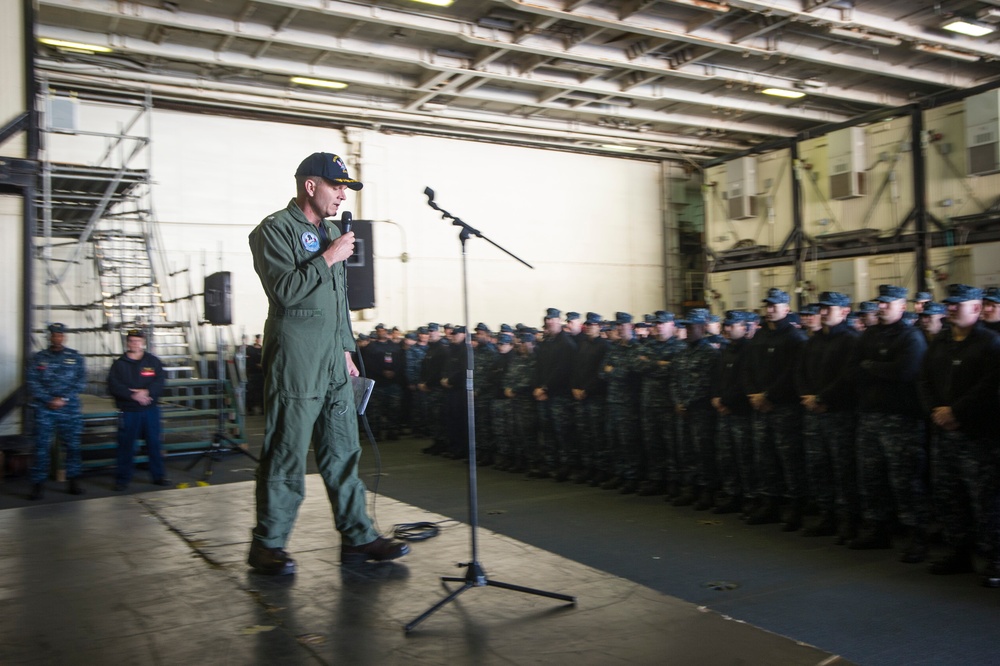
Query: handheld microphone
[345, 221]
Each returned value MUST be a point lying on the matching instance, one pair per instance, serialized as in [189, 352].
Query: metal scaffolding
[100, 259]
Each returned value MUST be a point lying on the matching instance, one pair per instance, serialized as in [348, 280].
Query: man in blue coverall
[56, 378]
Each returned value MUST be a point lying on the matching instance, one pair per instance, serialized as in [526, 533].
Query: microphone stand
[475, 576]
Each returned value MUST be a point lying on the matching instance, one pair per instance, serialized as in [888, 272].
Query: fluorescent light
[319, 83]
[947, 53]
[616, 146]
[967, 27]
[781, 92]
[864, 36]
[79, 47]
[436, 3]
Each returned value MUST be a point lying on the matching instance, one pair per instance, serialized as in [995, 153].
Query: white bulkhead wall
[592, 226]
[11, 217]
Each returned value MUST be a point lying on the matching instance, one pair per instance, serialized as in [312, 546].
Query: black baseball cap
[329, 166]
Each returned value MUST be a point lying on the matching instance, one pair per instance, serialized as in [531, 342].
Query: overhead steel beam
[543, 45]
[406, 85]
[543, 132]
[669, 28]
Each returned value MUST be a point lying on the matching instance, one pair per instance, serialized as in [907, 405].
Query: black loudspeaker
[219, 298]
[360, 268]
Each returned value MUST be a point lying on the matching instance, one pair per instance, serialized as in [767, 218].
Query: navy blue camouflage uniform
[891, 440]
[769, 369]
[691, 390]
[734, 435]
[56, 374]
[621, 454]
[964, 375]
[828, 371]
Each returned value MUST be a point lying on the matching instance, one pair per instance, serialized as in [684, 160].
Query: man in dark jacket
[958, 387]
[136, 382]
[892, 454]
[769, 379]
[826, 382]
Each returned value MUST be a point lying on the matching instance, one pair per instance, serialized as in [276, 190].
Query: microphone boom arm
[466, 229]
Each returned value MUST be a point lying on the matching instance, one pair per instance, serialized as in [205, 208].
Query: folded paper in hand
[362, 392]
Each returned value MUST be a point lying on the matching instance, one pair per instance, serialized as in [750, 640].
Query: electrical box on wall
[982, 133]
[846, 151]
[741, 188]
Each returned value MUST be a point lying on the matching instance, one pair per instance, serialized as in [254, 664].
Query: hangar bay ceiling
[653, 79]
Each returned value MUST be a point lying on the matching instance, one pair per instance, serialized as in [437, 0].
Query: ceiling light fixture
[781, 92]
[436, 3]
[76, 47]
[318, 83]
[615, 146]
[864, 36]
[947, 53]
[967, 27]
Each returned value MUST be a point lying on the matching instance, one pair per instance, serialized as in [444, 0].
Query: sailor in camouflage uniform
[959, 382]
[519, 382]
[691, 389]
[892, 453]
[826, 381]
[484, 353]
[734, 437]
[56, 377]
[431, 372]
[555, 355]
[768, 377]
[588, 392]
[501, 408]
[652, 362]
[622, 455]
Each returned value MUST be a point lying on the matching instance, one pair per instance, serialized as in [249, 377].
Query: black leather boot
[916, 550]
[874, 537]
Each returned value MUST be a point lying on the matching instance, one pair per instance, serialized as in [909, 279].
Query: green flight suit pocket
[301, 365]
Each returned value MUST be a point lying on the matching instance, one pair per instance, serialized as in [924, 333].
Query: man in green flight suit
[299, 257]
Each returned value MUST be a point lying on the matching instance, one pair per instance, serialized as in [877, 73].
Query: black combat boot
[916, 550]
[791, 521]
[874, 537]
[729, 504]
[705, 501]
[37, 491]
[73, 487]
[991, 574]
[827, 526]
[767, 512]
[686, 498]
[847, 528]
[959, 561]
